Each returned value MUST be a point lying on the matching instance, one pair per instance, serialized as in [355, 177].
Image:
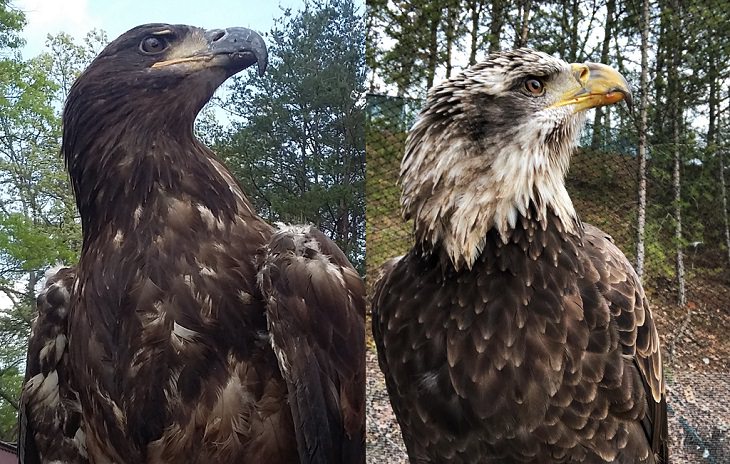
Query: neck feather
[125, 169]
[456, 189]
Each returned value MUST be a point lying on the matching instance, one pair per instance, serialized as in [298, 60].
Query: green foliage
[12, 21]
[37, 225]
[298, 147]
[29, 245]
[659, 255]
[406, 63]
[38, 220]
[11, 378]
[67, 59]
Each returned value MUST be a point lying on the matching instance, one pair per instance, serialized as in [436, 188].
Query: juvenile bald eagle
[512, 332]
[191, 331]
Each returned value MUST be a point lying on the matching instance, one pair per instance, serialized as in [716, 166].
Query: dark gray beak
[243, 46]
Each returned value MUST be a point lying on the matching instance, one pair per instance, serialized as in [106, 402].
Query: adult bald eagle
[191, 331]
[512, 332]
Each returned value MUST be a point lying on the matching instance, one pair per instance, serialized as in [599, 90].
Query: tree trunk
[33, 279]
[723, 190]
[661, 69]
[677, 115]
[598, 132]
[714, 122]
[452, 27]
[495, 25]
[564, 26]
[475, 7]
[677, 186]
[524, 28]
[713, 104]
[644, 89]
[371, 48]
[433, 55]
[575, 19]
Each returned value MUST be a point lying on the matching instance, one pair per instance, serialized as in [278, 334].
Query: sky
[77, 17]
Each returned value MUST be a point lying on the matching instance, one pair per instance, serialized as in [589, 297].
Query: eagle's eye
[153, 45]
[535, 86]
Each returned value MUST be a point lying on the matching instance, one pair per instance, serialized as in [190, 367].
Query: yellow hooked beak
[596, 85]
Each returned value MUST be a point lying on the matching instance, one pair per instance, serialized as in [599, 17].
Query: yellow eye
[535, 86]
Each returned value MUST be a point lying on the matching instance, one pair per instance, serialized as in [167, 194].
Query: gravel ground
[699, 418]
[384, 441]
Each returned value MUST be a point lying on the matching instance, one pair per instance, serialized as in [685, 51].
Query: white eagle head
[493, 142]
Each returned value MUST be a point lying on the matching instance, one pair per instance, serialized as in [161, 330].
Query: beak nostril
[582, 74]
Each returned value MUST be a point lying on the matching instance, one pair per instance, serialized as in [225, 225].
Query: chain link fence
[690, 301]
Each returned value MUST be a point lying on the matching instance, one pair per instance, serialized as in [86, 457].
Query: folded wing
[51, 428]
[638, 337]
[316, 317]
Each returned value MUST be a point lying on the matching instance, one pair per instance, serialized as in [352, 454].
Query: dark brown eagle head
[128, 119]
[152, 77]
[494, 140]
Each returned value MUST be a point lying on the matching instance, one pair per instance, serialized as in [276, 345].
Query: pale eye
[535, 86]
[153, 45]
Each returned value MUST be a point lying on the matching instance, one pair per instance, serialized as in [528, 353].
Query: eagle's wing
[621, 287]
[381, 289]
[51, 428]
[316, 316]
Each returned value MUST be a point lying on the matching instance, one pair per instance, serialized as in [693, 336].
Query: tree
[414, 57]
[476, 8]
[522, 28]
[716, 53]
[453, 28]
[298, 148]
[644, 89]
[12, 22]
[723, 190]
[598, 121]
[496, 22]
[373, 35]
[38, 219]
[677, 117]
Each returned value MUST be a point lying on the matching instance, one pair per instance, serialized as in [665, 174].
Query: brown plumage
[190, 330]
[512, 332]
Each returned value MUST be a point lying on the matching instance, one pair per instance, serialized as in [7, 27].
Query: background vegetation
[655, 178]
[296, 143]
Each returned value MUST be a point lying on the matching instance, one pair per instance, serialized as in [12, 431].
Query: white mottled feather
[456, 189]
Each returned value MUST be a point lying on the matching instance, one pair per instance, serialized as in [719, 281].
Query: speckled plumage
[521, 336]
[180, 302]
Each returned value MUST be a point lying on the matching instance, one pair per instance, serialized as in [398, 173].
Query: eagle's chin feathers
[458, 184]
